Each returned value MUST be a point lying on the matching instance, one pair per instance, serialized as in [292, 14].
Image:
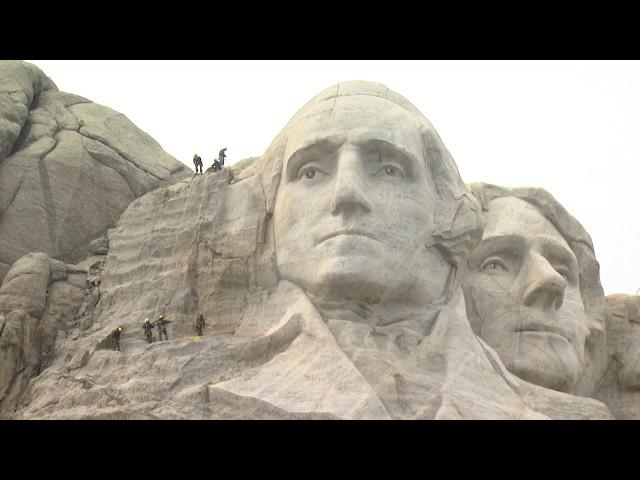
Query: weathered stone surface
[369, 322]
[38, 298]
[100, 246]
[68, 167]
[620, 387]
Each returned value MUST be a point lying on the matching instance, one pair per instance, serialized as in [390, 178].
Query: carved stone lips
[543, 328]
[346, 231]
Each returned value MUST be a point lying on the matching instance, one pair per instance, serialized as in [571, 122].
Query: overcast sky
[570, 127]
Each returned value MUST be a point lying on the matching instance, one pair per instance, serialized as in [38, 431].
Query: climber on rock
[162, 323]
[199, 325]
[147, 326]
[115, 338]
[197, 161]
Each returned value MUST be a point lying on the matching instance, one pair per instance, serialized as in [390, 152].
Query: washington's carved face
[355, 204]
[524, 298]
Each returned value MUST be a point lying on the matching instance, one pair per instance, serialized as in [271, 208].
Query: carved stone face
[355, 205]
[523, 295]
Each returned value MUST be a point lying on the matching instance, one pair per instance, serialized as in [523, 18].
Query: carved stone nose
[349, 194]
[544, 286]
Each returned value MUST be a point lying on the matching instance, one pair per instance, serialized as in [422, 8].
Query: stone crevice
[82, 131]
[49, 205]
[12, 382]
[13, 198]
[97, 159]
[32, 104]
[71, 102]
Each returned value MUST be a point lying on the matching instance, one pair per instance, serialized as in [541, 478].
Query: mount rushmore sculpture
[348, 273]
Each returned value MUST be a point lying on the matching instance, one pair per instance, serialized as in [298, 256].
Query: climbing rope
[191, 250]
[175, 242]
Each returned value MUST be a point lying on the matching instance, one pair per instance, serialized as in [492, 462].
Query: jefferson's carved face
[524, 298]
[355, 204]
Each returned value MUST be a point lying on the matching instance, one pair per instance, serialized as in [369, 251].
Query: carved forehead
[513, 216]
[362, 88]
[356, 118]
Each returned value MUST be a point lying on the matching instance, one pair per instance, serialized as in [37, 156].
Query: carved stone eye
[392, 171]
[310, 173]
[495, 265]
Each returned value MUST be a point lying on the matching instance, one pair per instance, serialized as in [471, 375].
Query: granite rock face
[39, 298]
[68, 167]
[330, 272]
[620, 386]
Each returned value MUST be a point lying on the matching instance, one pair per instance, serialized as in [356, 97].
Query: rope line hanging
[157, 216]
[175, 242]
[192, 248]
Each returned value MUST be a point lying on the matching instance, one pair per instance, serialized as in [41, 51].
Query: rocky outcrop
[620, 386]
[39, 297]
[68, 167]
[188, 248]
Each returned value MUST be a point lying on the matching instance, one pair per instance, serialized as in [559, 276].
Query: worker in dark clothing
[197, 161]
[199, 326]
[115, 338]
[147, 326]
[216, 166]
[221, 157]
[162, 323]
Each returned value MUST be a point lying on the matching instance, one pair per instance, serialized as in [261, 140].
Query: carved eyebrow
[408, 159]
[513, 244]
[298, 158]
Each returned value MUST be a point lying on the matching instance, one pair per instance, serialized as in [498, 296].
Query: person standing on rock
[147, 326]
[199, 326]
[115, 338]
[221, 157]
[162, 323]
[197, 161]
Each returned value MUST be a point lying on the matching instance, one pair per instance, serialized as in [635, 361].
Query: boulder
[68, 167]
[37, 300]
